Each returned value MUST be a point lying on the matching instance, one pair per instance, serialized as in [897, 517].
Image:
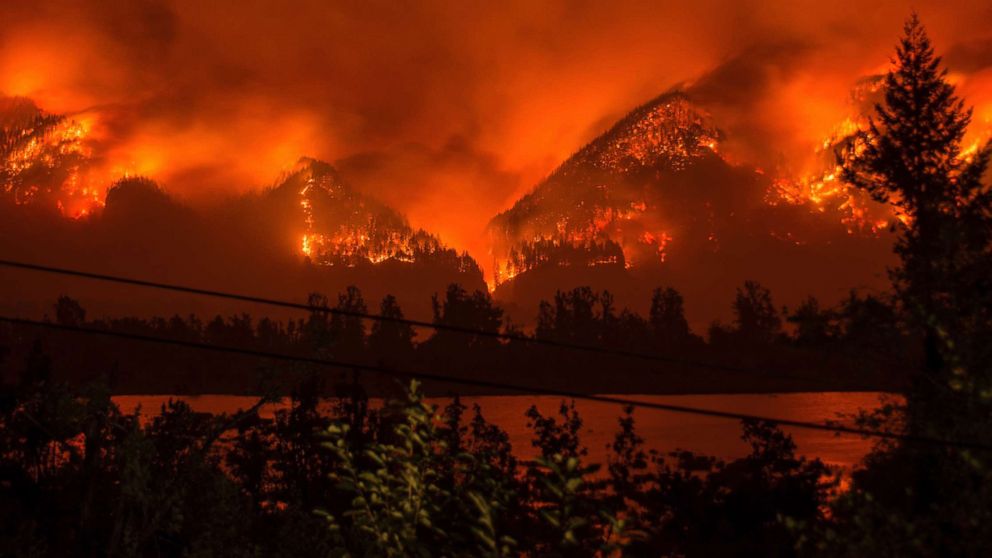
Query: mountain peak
[666, 133]
[342, 226]
[596, 208]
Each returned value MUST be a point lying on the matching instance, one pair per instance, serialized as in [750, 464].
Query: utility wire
[505, 386]
[405, 321]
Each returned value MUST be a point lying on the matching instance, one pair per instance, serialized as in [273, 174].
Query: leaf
[572, 485]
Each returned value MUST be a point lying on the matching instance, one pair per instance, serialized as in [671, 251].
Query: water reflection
[662, 430]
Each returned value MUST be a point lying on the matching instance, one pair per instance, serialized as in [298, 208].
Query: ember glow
[342, 227]
[45, 160]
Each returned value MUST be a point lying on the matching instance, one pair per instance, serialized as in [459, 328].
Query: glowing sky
[447, 110]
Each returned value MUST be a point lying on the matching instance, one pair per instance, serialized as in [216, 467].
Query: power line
[504, 386]
[404, 321]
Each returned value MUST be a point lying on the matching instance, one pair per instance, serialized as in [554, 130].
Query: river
[662, 430]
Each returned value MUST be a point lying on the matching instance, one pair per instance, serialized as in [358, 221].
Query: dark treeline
[764, 349]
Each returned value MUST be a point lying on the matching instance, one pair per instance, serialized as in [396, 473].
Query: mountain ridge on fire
[345, 227]
[653, 201]
[310, 231]
[650, 202]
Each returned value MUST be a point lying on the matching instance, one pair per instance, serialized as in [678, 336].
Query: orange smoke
[450, 112]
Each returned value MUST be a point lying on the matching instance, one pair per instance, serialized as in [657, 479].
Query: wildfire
[840, 133]
[308, 236]
[659, 241]
[821, 188]
[306, 247]
[823, 192]
[582, 216]
[981, 137]
[44, 158]
[670, 133]
[348, 245]
[598, 208]
[344, 228]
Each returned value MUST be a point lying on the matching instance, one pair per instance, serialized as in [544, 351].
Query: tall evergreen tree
[667, 316]
[460, 309]
[347, 328]
[925, 499]
[754, 314]
[391, 340]
[911, 156]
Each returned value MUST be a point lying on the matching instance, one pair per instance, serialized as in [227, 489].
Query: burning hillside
[595, 208]
[818, 186]
[342, 227]
[656, 183]
[43, 158]
[311, 232]
[47, 162]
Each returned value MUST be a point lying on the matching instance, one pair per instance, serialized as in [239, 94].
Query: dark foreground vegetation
[80, 478]
[77, 477]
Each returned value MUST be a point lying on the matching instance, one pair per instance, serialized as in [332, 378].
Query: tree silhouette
[911, 156]
[813, 325]
[347, 329]
[868, 322]
[472, 311]
[755, 316]
[316, 330]
[390, 340]
[575, 317]
[915, 499]
[667, 317]
[69, 312]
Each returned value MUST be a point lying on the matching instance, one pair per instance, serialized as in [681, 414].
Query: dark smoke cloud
[971, 56]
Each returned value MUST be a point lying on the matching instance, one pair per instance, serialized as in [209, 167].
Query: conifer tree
[667, 316]
[916, 499]
[912, 157]
[754, 313]
[391, 338]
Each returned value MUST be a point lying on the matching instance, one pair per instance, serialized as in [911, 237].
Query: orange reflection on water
[662, 430]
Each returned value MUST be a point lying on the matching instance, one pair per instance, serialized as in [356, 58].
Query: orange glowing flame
[823, 191]
[44, 160]
[345, 228]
